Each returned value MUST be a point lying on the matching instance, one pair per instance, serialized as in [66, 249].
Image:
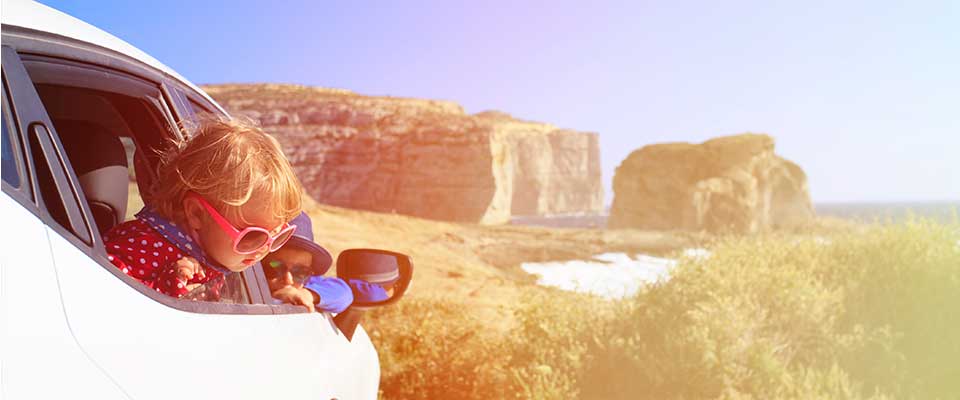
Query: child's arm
[368, 292]
[180, 277]
[145, 255]
[172, 279]
[328, 294]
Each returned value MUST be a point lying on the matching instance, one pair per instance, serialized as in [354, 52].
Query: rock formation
[422, 157]
[728, 184]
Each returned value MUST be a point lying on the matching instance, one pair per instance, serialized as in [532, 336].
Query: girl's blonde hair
[227, 162]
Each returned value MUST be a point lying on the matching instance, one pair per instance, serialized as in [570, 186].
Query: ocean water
[941, 211]
[597, 221]
[608, 275]
[618, 275]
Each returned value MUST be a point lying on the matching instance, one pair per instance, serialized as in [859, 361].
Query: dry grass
[867, 314]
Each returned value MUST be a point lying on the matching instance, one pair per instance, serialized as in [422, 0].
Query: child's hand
[187, 269]
[368, 292]
[295, 295]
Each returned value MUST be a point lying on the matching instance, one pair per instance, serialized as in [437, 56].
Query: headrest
[100, 162]
[90, 146]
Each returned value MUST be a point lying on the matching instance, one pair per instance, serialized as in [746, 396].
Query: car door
[39, 356]
[154, 346]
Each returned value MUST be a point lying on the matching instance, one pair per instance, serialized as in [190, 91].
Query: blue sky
[865, 96]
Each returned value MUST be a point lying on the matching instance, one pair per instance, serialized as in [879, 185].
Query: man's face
[283, 265]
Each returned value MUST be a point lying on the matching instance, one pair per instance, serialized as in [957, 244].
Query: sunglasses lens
[273, 268]
[281, 239]
[301, 273]
[252, 241]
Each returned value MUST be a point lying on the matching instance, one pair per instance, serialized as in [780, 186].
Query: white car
[71, 324]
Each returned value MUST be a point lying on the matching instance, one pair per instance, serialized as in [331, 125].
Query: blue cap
[303, 239]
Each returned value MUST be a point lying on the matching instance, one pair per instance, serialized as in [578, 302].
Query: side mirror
[377, 277]
[384, 275]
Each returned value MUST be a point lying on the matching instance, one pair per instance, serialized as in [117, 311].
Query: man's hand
[295, 295]
[187, 269]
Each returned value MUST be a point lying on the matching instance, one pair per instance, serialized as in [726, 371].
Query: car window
[134, 201]
[135, 117]
[130, 121]
[10, 173]
[197, 108]
[55, 191]
[232, 290]
[190, 109]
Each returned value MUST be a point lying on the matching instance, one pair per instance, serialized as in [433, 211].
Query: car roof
[32, 15]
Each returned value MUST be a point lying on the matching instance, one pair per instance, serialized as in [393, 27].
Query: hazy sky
[865, 96]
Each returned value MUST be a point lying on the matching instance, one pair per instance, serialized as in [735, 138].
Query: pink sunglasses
[252, 238]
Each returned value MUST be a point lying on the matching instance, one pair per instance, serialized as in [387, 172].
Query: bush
[432, 349]
[868, 315]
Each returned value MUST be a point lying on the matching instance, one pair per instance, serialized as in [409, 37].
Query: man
[295, 275]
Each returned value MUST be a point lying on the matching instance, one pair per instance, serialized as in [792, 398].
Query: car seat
[100, 162]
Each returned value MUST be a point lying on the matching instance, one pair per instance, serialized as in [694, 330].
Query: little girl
[221, 202]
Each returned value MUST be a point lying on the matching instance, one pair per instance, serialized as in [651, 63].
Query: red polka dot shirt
[141, 252]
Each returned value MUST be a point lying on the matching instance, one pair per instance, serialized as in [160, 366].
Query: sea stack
[731, 184]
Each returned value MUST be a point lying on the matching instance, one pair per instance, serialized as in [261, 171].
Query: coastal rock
[728, 184]
[423, 158]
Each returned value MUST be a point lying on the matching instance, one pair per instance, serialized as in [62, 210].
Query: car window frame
[32, 42]
[11, 145]
[195, 102]
[29, 117]
[95, 250]
[23, 193]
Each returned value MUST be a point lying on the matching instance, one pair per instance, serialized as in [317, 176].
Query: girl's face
[218, 244]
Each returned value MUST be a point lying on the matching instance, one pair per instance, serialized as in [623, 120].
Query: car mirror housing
[377, 278]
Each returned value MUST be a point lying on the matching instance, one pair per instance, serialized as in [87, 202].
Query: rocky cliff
[727, 184]
[422, 157]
